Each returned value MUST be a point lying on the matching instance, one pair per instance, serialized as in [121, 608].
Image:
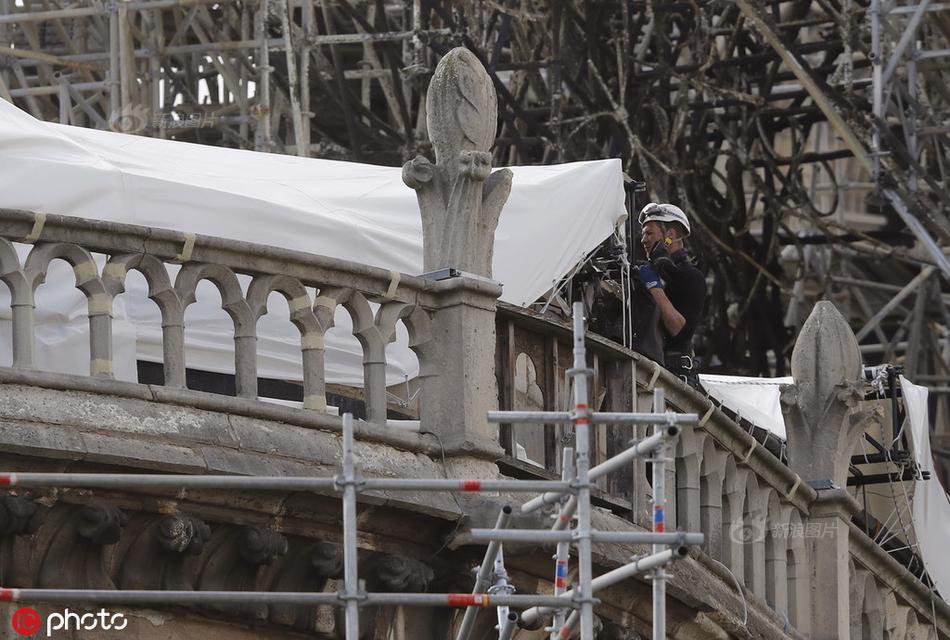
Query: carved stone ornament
[819, 408]
[307, 566]
[19, 516]
[234, 560]
[74, 557]
[162, 553]
[459, 197]
[402, 574]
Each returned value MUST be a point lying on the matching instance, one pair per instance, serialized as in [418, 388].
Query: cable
[745, 608]
[445, 472]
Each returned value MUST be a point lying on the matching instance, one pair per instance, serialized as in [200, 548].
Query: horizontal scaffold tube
[566, 417]
[162, 481]
[642, 448]
[110, 596]
[145, 480]
[545, 535]
[640, 565]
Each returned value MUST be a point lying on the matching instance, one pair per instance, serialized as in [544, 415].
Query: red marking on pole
[467, 600]
[7, 479]
[7, 595]
[582, 421]
[580, 405]
[471, 485]
[565, 632]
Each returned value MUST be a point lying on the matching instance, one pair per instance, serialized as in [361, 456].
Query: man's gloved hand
[649, 277]
[661, 260]
[659, 252]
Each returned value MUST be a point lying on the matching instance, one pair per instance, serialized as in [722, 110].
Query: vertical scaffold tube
[350, 575]
[482, 577]
[659, 522]
[582, 464]
[877, 86]
[564, 513]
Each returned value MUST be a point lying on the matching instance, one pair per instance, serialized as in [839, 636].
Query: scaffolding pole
[483, 575]
[659, 525]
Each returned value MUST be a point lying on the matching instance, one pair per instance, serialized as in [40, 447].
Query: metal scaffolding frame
[568, 609]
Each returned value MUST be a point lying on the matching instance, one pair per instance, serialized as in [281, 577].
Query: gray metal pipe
[303, 598]
[548, 536]
[166, 481]
[475, 486]
[511, 623]
[566, 417]
[562, 555]
[644, 447]
[582, 467]
[350, 550]
[639, 565]
[659, 525]
[146, 480]
[484, 572]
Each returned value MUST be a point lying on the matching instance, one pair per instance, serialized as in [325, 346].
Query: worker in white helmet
[677, 286]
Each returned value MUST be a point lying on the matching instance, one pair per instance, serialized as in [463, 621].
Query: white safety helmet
[662, 212]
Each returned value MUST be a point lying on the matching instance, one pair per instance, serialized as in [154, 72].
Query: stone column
[823, 425]
[460, 200]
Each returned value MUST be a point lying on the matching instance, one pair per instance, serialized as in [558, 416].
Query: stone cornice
[187, 398]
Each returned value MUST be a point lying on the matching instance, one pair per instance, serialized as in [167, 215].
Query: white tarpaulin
[755, 399]
[931, 504]
[554, 217]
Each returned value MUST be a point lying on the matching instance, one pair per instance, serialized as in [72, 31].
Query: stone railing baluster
[21, 300]
[303, 317]
[161, 291]
[98, 300]
[233, 302]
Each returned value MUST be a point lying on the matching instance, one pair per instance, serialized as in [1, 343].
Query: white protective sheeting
[931, 504]
[554, 217]
[755, 399]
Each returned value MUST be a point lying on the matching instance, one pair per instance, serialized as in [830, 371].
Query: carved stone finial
[460, 199]
[826, 366]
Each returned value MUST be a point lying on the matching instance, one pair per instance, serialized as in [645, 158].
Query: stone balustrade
[427, 308]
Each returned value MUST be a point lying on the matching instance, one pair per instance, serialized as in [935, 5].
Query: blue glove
[649, 278]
